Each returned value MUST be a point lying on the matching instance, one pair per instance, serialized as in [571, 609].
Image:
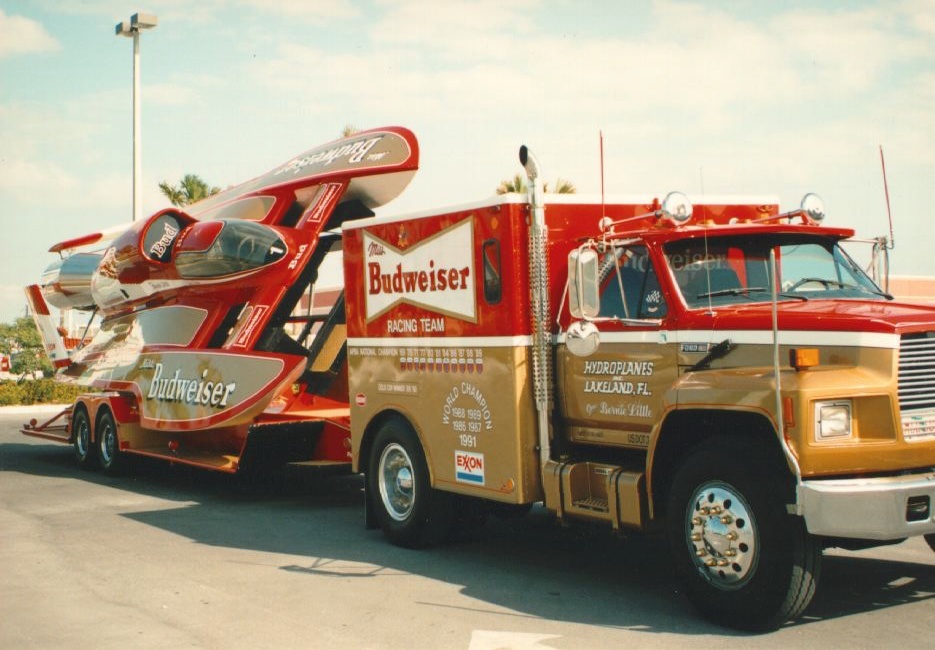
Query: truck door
[615, 395]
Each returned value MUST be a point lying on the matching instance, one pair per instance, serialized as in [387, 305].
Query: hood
[877, 316]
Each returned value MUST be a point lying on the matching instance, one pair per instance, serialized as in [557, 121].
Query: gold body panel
[471, 407]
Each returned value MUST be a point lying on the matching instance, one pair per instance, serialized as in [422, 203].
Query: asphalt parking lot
[169, 557]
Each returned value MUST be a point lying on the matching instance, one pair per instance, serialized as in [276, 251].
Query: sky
[704, 97]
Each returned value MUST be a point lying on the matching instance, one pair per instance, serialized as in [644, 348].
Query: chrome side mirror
[583, 291]
[582, 338]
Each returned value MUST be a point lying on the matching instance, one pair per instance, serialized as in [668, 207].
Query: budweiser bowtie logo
[436, 274]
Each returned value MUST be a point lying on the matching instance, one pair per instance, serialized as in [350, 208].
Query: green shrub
[38, 391]
[11, 393]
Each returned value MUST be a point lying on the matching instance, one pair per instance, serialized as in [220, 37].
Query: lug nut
[696, 537]
[697, 521]
[726, 519]
[701, 552]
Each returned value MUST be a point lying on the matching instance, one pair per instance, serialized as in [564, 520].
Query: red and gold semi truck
[722, 373]
[719, 372]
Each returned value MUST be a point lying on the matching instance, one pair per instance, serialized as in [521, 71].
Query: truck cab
[719, 372]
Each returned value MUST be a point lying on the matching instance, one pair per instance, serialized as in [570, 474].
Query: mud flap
[370, 521]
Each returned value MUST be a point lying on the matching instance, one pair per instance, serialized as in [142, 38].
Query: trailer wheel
[108, 444]
[81, 431]
[745, 562]
[411, 513]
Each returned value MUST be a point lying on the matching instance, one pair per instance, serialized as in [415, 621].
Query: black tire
[509, 510]
[81, 434]
[411, 513]
[470, 517]
[109, 456]
[745, 562]
[930, 538]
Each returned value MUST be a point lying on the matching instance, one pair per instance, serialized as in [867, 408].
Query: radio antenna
[601, 137]
[886, 191]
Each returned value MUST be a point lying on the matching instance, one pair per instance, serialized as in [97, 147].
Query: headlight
[813, 207]
[677, 208]
[833, 420]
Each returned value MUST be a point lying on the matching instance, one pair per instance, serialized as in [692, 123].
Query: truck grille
[917, 385]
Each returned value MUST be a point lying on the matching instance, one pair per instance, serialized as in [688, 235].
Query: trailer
[215, 348]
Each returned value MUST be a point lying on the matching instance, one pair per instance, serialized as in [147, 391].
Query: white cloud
[67, 131]
[320, 10]
[741, 96]
[19, 35]
[456, 30]
[24, 180]
[846, 52]
[12, 302]
[170, 93]
[215, 11]
[918, 15]
[491, 57]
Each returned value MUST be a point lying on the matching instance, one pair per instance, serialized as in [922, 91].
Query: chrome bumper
[882, 508]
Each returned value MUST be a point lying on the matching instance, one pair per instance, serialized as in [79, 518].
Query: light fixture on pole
[137, 23]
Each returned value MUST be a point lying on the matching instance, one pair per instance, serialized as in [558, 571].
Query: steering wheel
[246, 249]
[826, 284]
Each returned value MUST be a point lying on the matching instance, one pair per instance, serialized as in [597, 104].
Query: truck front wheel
[410, 512]
[745, 562]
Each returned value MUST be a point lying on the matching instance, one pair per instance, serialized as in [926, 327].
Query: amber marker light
[788, 412]
[803, 359]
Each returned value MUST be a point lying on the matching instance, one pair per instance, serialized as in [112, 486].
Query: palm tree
[518, 184]
[562, 186]
[190, 189]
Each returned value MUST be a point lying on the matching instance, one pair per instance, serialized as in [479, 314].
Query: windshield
[735, 270]
[240, 246]
[628, 285]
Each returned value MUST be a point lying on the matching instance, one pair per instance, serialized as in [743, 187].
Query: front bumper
[882, 508]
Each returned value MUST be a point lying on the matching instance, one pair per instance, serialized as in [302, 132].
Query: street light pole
[133, 27]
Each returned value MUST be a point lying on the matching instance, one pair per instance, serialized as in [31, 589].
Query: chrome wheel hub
[83, 437]
[397, 488]
[721, 534]
[108, 443]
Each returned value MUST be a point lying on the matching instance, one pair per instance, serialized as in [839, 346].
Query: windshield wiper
[842, 285]
[826, 283]
[745, 291]
[876, 292]
[734, 291]
[863, 289]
